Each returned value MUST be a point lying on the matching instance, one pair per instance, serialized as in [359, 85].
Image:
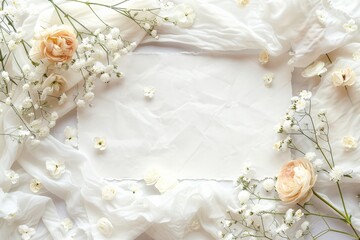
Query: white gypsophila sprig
[336, 174]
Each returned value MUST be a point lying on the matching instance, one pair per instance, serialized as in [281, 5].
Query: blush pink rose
[295, 181]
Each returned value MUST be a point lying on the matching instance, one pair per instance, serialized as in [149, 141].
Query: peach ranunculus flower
[56, 44]
[54, 84]
[295, 181]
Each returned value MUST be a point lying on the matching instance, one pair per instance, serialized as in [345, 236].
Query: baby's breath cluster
[258, 214]
[98, 58]
[34, 90]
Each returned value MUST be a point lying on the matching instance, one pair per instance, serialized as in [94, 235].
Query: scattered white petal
[151, 176]
[56, 168]
[350, 26]
[71, 136]
[108, 192]
[356, 55]
[264, 57]
[12, 176]
[149, 92]
[268, 78]
[315, 69]
[322, 16]
[243, 2]
[166, 183]
[349, 143]
[35, 185]
[184, 16]
[105, 227]
[100, 143]
[26, 232]
[67, 224]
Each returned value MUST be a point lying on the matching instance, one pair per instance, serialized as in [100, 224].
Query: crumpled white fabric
[78, 193]
[209, 112]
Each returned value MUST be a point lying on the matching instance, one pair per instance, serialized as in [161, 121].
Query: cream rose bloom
[295, 181]
[56, 44]
[343, 77]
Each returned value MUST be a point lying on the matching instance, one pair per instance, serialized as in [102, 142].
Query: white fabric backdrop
[78, 193]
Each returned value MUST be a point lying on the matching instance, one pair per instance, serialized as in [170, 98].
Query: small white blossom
[105, 227]
[35, 185]
[100, 143]
[356, 55]
[318, 163]
[349, 143]
[336, 174]
[153, 33]
[283, 227]
[26, 232]
[63, 98]
[67, 224]
[151, 176]
[300, 105]
[298, 214]
[268, 78]
[322, 112]
[12, 176]
[149, 92]
[27, 103]
[8, 101]
[194, 225]
[80, 103]
[71, 136]
[184, 16]
[268, 184]
[243, 196]
[289, 216]
[305, 94]
[108, 192]
[298, 234]
[310, 156]
[56, 168]
[243, 2]
[350, 26]
[12, 45]
[322, 16]
[89, 96]
[305, 226]
[105, 78]
[264, 57]
[25, 87]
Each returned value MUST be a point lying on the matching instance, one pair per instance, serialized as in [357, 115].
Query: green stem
[330, 205]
